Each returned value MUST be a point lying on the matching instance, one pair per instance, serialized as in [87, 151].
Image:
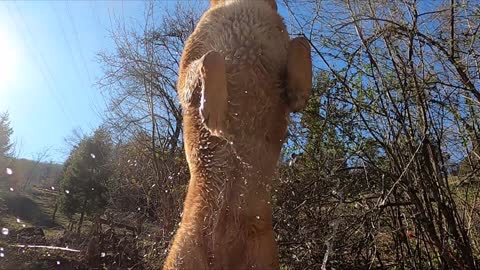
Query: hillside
[27, 173]
[27, 202]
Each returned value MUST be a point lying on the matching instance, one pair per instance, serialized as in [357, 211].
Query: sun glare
[8, 60]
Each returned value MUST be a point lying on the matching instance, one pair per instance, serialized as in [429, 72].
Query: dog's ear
[213, 101]
[205, 89]
[299, 67]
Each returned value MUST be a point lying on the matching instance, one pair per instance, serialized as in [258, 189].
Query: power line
[74, 59]
[37, 61]
[45, 64]
[42, 58]
[94, 12]
[65, 38]
[93, 103]
[78, 40]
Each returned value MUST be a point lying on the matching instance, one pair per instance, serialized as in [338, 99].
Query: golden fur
[240, 77]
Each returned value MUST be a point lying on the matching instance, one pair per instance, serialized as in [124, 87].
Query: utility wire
[37, 61]
[69, 15]
[65, 38]
[93, 104]
[49, 74]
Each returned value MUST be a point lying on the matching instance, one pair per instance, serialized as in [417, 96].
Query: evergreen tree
[85, 174]
[6, 132]
[5, 141]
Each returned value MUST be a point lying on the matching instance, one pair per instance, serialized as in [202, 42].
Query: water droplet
[93, 188]
[102, 254]
[154, 185]
[18, 220]
[52, 187]
[139, 208]
[2, 255]
[67, 191]
[1, 248]
[11, 189]
[246, 92]
[23, 225]
[92, 155]
[258, 217]
[166, 190]
[170, 177]
[9, 171]
[4, 231]
[58, 262]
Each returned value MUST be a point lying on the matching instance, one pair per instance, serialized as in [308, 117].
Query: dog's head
[214, 3]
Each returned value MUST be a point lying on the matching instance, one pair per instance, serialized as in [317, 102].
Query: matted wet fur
[240, 77]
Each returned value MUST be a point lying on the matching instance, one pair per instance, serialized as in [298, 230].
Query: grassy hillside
[26, 200]
[34, 207]
[28, 173]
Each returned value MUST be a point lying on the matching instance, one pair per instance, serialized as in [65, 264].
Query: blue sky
[48, 68]
[48, 62]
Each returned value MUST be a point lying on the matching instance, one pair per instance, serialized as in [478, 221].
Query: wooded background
[380, 171]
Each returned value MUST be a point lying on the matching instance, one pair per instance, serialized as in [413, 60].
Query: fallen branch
[47, 247]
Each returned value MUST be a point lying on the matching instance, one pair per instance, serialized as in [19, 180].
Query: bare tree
[140, 77]
[381, 170]
[407, 73]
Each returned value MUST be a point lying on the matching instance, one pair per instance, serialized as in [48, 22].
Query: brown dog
[240, 77]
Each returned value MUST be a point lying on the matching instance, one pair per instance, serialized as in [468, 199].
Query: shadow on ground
[28, 210]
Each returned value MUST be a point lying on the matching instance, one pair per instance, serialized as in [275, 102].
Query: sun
[8, 60]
